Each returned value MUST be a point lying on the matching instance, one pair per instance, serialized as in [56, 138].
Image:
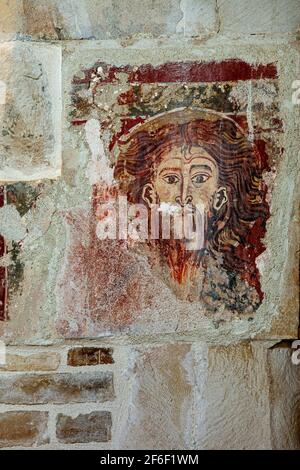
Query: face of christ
[199, 160]
[186, 178]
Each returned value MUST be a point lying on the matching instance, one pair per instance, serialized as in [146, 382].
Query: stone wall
[110, 345]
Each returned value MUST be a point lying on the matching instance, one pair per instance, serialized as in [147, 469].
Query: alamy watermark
[2, 353]
[120, 220]
[296, 353]
[296, 93]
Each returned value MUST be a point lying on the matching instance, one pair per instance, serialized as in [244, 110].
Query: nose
[184, 197]
[184, 200]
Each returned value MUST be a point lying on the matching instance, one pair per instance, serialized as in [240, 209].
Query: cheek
[166, 192]
[205, 193]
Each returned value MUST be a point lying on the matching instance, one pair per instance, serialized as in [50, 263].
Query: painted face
[186, 178]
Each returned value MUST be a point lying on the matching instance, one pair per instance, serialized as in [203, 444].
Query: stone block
[11, 19]
[284, 371]
[92, 427]
[41, 361]
[91, 19]
[236, 397]
[23, 428]
[56, 388]
[158, 410]
[200, 18]
[89, 356]
[30, 113]
[191, 396]
[259, 16]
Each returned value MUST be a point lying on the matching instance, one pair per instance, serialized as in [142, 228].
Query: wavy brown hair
[237, 228]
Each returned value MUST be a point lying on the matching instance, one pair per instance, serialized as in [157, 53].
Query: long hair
[236, 229]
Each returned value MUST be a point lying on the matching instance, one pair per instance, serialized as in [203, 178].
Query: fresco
[193, 157]
[179, 167]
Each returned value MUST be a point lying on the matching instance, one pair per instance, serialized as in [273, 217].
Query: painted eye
[171, 179]
[199, 179]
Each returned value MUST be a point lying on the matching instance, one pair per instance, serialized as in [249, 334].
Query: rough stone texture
[30, 119]
[42, 361]
[92, 427]
[56, 388]
[89, 356]
[11, 19]
[30, 308]
[200, 18]
[237, 399]
[159, 405]
[23, 428]
[91, 19]
[191, 396]
[259, 16]
[284, 398]
[184, 377]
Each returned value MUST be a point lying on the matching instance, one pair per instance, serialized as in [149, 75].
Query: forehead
[177, 157]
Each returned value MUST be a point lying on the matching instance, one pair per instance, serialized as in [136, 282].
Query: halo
[178, 116]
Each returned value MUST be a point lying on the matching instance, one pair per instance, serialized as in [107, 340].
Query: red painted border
[225, 71]
[173, 72]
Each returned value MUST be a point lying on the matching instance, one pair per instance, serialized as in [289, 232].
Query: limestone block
[160, 402]
[184, 396]
[56, 388]
[29, 209]
[91, 427]
[284, 396]
[23, 428]
[259, 16]
[42, 361]
[30, 113]
[93, 19]
[11, 19]
[237, 399]
[89, 356]
[200, 18]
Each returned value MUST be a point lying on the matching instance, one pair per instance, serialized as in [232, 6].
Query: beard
[183, 256]
[182, 262]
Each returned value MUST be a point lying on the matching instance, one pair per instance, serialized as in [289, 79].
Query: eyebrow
[175, 168]
[204, 167]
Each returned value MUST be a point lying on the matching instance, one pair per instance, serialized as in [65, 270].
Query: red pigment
[225, 71]
[197, 72]
[172, 72]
